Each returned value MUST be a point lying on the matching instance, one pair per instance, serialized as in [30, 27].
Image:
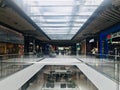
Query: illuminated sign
[115, 35]
[91, 40]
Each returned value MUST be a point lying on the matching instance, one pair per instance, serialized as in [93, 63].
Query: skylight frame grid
[47, 12]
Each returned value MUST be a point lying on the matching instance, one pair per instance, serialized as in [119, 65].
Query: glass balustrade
[11, 63]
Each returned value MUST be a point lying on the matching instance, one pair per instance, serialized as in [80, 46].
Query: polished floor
[105, 66]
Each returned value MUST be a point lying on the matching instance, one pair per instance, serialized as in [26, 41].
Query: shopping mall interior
[60, 44]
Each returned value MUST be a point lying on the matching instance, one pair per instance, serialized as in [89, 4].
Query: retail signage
[109, 36]
[91, 40]
[78, 46]
[115, 35]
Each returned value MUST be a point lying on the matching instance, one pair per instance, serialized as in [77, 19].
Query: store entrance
[114, 46]
[64, 50]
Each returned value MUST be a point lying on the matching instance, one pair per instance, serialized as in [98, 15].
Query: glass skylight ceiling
[59, 19]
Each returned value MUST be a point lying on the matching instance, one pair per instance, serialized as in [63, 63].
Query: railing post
[1, 68]
[117, 76]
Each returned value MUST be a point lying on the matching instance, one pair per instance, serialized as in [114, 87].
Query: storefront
[110, 41]
[10, 41]
[9, 50]
[2, 48]
[113, 40]
[65, 50]
[83, 47]
[92, 45]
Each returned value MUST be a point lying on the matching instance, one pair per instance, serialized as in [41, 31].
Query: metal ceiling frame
[98, 11]
[73, 16]
[86, 24]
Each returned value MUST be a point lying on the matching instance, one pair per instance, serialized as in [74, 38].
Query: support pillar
[34, 49]
[29, 44]
[26, 44]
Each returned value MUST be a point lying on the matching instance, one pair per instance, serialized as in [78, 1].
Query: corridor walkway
[106, 66]
[81, 62]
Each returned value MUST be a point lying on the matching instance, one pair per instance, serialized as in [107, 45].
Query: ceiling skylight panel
[61, 17]
[65, 29]
[73, 31]
[56, 20]
[76, 28]
[81, 19]
[56, 2]
[58, 13]
[67, 24]
[86, 13]
[78, 24]
[93, 2]
[88, 9]
[47, 2]
[56, 32]
[35, 10]
[61, 36]
[54, 24]
[57, 28]
[35, 19]
[60, 30]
